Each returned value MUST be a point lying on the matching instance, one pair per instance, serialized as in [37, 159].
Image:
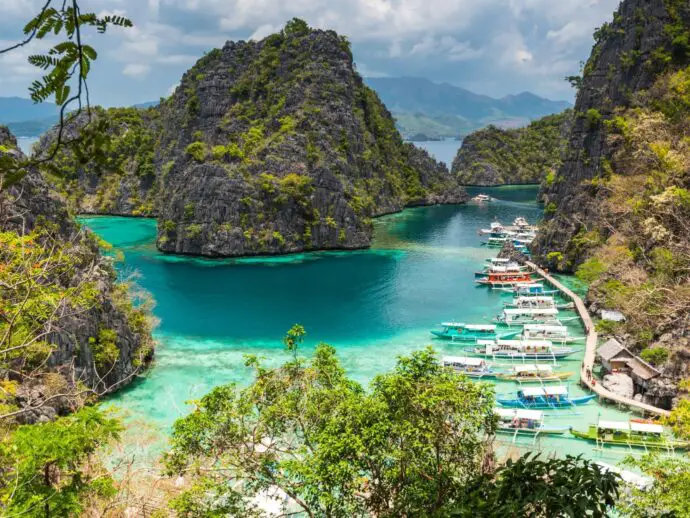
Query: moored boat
[555, 333]
[495, 229]
[527, 289]
[495, 242]
[631, 434]
[522, 316]
[538, 302]
[533, 374]
[501, 280]
[504, 268]
[472, 367]
[470, 333]
[544, 397]
[525, 422]
[530, 350]
[482, 198]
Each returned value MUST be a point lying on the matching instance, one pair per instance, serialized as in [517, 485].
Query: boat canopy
[486, 342]
[533, 391]
[481, 327]
[452, 324]
[545, 328]
[559, 390]
[521, 344]
[531, 368]
[520, 413]
[499, 260]
[538, 298]
[463, 360]
[646, 428]
[614, 425]
[531, 311]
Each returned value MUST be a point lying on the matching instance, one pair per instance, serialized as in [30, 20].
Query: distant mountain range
[423, 110]
[427, 110]
[27, 119]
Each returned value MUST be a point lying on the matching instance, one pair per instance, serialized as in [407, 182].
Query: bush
[655, 355]
[593, 118]
[197, 150]
[591, 270]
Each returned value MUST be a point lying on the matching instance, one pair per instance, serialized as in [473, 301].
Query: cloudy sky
[495, 47]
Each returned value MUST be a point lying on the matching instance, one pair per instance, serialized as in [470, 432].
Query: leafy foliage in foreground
[49, 469]
[417, 443]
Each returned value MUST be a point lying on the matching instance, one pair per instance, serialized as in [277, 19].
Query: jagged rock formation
[126, 182]
[618, 211]
[93, 336]
[279, 147]
[529, 155]
[266, 147]
[629, 55]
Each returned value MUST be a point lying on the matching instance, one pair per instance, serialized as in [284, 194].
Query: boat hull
[543, 405]
[523, 356]
[544, 430]
[649, 444]
[559, 376]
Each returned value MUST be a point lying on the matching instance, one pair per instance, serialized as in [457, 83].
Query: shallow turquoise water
[372, 305]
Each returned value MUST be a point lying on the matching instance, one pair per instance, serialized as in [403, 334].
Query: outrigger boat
[537, 302]
[507, 268]
[501, 280]
[496, 229]
[632, 434]
[521, 316]
[525, 422]
[555, 333]
[520, 222]
[521, 350]
[482, 198]
[544, 397]
[527, 289]
[533, 374]
[471, 333]
[495, 242]
[471, 367]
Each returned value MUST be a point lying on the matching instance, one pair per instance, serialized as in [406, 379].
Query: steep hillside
[126, 182]
[443, 110]
[277, 146]
[68, 328]
[266, 147]
[493, 156]
[619, 208]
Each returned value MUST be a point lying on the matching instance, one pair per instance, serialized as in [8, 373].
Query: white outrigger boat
[522, 350]
[527, 289]
[495, 242]
[475, 368]
[538, 373]
[555, 333]
[520, 222]
[512, 267]
[522, 316]
[482, 198]
[537, 302]
[495, 229]
[520, 421]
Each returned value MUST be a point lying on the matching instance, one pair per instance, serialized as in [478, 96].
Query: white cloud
[136, 70]
[263, 31]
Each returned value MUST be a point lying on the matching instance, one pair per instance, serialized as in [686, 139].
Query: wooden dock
[590, 351]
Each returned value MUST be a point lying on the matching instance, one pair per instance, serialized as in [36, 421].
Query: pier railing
[591, 348]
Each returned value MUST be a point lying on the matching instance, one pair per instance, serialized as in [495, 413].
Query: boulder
[620, 384]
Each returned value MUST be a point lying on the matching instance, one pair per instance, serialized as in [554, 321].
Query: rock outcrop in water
[87, 333]
[529, 155]
[618, 210]
[265, 147]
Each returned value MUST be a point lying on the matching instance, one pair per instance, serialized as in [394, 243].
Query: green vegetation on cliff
[529, 155]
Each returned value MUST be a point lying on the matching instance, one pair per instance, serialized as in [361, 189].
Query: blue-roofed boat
[468, 333]
[544, 398]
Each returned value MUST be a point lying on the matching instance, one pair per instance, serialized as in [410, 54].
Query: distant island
[437, 111]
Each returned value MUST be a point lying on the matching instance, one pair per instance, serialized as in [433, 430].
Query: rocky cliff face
[618, 211]
[277, 146]
[529, 155]
[80, 326]
[125, 181]
[629, 54]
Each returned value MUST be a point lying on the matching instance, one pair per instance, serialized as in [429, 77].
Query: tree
[679, 419]
[416, 443]
[49, 469]
[408, 445]
[670, 493]
[66, 65]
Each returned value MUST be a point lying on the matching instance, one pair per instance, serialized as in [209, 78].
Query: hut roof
[642, 369]
[611, 349]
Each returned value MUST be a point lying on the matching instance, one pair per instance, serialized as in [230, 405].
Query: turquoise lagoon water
[372, 305]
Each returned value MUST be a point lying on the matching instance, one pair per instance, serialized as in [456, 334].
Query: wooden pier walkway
[590, 350]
